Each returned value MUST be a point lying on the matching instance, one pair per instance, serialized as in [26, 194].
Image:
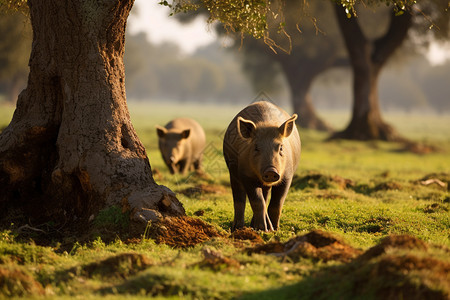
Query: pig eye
[281, 150]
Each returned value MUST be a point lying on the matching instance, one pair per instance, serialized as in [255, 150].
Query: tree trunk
[70, 149]
[302, 105]
[300, 81]
[367, 59]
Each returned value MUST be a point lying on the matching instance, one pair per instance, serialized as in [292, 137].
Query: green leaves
[13, 5]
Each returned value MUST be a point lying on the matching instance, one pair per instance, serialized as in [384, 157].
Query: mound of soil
[418, 148]
[394, 241]
[433, 272]
[15, 282]
[120, 266]
[182, 232]
[247, 234]
[317, 244]
[385, 271]
[403, 276]
[203, 189]
[216, 261]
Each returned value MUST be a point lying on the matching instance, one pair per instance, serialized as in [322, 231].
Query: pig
[181, 143]
[262, 149]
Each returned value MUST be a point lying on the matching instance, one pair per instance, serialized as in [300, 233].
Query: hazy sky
[153, 19]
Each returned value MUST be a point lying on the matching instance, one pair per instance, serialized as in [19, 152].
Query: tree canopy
[259, 18]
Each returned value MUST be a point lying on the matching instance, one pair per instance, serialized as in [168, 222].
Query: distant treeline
[164, 72]
[214, 74]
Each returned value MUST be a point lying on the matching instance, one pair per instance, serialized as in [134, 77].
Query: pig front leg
[260, 220]
[184, 166]
[265, 193]
[239, 197]
[172, 168]
[279, 194]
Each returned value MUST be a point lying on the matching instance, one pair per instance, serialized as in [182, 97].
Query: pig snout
[271, 175]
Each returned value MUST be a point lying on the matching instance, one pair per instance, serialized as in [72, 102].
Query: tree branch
[394, 37]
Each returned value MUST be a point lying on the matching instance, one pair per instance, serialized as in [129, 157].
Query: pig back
[235, 147]
[196, 141]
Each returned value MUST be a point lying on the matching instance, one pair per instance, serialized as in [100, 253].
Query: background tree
[368, 57]
[15, 46]
[316, 47]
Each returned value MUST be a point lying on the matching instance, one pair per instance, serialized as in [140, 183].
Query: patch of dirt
[199, 213]
[387, 271]
[396, 269]
[388, 186]
[120, 266]
[247, 234]
[317, 244]
[394, 241]
[15, 282]
[216, 261]
[418, 148]
[374, 225]
[439, 180]
[321, 181]
[435, 207]
[182, 232]
[202, 189]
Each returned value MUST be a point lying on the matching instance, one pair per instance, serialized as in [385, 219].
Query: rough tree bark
[70, 149]
[367, 59]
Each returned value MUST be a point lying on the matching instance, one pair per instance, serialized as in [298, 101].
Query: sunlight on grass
[362, 192]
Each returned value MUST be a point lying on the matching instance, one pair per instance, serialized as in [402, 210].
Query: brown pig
[181, 143]
[262, 150]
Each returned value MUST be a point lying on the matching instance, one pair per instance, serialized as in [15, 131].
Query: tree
[15, 45]
[368, 57]
[70, 149]
[315, 48]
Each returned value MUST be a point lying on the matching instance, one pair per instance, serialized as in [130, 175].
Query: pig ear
[161, 131]
[185, 134]
[245, 127]
[286, 128]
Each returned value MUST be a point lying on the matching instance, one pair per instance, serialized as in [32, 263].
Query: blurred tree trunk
[70, 149]
[300, 86]
[367, 59]
[300, 74]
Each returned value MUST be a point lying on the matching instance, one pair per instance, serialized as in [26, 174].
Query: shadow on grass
[400, 267]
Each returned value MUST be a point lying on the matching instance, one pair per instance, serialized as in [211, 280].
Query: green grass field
[358, 192]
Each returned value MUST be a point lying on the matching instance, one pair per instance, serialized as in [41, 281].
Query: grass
[362, 192]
